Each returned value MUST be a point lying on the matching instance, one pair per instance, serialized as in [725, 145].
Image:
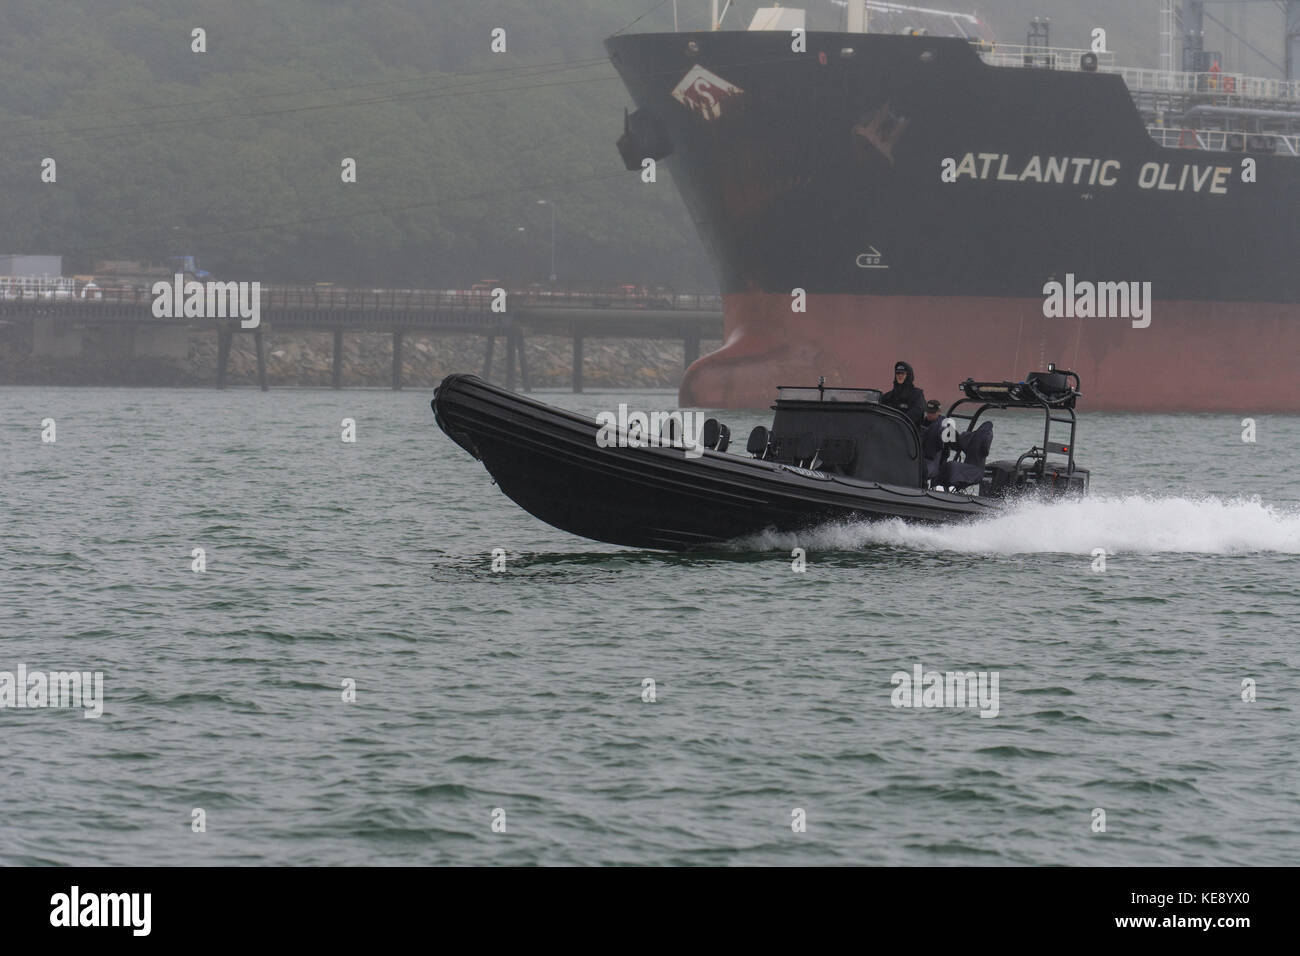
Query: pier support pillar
[523, 360]
[487, 358]
[691, 346]
[261, 360]
[336, 379]
[577, 362]
[223, 355]
[510, 359]
[397, 360]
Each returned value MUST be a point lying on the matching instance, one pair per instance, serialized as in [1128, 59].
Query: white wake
[1122, 525]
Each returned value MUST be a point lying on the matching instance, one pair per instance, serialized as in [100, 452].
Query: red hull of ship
[1237, 357]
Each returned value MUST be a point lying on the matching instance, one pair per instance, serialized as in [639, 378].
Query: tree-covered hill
[234, 154]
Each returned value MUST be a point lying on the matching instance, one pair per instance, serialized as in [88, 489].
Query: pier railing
[330, 298]
[686, 302]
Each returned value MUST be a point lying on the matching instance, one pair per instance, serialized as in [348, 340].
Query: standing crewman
[905, 396]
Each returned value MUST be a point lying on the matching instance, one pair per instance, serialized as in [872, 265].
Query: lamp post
[519, 255]
[547, 202]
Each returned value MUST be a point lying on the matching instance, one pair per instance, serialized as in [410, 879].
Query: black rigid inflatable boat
[831, 454]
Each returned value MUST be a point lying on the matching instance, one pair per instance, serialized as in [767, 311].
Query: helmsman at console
[905, 396]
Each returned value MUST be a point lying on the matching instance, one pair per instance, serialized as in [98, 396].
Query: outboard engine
[1032, 473]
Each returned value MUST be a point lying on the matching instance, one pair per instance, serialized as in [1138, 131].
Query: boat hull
[548, 462]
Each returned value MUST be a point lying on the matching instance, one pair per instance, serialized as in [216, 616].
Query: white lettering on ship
[1091, 171]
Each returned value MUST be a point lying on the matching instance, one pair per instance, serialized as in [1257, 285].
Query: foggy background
[233, 155]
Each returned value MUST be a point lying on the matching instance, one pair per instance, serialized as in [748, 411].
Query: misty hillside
[234, 154]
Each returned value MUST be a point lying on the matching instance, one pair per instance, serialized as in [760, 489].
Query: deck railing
[1227, 141]
[1212, 84]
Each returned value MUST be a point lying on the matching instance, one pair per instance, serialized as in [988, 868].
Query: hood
[907, 382]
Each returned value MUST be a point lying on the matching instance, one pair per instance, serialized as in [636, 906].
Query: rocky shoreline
[297, 358]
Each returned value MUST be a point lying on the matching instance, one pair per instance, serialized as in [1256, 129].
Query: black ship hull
[825, 171]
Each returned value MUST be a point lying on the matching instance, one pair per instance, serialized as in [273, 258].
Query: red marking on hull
[1237, 357]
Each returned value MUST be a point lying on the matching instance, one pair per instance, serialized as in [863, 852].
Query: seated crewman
[932, 444]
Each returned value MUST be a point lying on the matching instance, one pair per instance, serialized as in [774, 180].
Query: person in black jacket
[932, 446]
[905, 396]
[932, 409]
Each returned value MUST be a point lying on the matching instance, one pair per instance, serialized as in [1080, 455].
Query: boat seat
[717, 436]
[974, 447]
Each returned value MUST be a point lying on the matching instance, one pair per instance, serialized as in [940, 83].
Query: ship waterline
[1235, 357]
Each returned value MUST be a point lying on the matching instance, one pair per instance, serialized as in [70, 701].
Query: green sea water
[520, 697]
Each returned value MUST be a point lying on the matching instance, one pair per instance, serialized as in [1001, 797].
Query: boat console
[847, 431]
[844, 431]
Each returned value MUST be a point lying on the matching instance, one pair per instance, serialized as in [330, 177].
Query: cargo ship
[928, 194]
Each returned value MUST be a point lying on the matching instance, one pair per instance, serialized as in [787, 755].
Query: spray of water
[1122, 525]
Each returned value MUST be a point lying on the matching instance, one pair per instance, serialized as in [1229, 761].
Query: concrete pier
[59, 327]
